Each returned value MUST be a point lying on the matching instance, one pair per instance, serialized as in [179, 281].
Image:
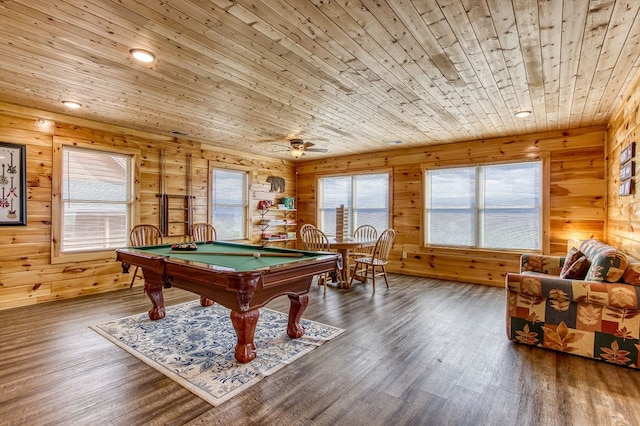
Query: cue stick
[240, 253]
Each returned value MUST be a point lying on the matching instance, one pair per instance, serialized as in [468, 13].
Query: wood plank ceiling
[346, 75]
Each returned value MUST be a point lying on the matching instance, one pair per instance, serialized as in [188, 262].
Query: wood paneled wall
[623, 216]
[26, 273]
[576, 202]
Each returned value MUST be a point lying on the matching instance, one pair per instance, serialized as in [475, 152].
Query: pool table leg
[205, 301]
[245, 325]
[154, 292]
[298, 305]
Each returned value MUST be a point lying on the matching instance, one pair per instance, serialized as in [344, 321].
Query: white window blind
[229, 204]
[96, 200]
[365, 196]
[494, 206]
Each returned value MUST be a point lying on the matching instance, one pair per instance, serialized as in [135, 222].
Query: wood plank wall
[26, 273]
[576, 201]
[577, 197]
[623, 215]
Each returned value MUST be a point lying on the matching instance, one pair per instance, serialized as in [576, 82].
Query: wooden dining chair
[203, 232]
[316, 240]
[364, 232]
[144, 235]
[304, 228]
[378, 259]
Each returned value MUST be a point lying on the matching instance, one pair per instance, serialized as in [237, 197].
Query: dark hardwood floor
[421, 352]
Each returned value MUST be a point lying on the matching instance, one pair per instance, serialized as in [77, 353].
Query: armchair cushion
[632, 274]
[576, 270]
[607, 263]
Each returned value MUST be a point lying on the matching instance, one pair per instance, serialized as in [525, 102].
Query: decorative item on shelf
[264, 204]
[342, 222]
[288, 203]
[627, 169]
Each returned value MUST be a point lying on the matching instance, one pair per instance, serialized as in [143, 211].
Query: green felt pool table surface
[235, 256]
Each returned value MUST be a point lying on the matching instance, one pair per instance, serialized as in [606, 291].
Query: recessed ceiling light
[72, 104]
[522, 114]
[142, 55]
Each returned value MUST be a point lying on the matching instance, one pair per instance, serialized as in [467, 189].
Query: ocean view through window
[364, 196]
[485, 206]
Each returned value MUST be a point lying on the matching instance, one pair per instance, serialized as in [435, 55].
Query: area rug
[195, 347]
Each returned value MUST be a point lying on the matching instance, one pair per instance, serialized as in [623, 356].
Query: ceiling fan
[299, 147]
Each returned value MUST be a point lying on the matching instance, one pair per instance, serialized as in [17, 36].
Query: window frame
[57, 256]
[543, 158]
[247, 195]
[388, 171]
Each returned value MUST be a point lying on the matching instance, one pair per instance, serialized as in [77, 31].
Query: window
[365, 196]
[493, 206]
[229, 203]
[96, 199]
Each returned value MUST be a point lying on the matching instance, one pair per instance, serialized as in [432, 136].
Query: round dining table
[345, 245]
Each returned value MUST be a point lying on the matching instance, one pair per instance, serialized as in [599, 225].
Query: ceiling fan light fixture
[142, 55]
[296, 152]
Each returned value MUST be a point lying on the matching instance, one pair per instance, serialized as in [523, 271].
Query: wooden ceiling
[346, 75]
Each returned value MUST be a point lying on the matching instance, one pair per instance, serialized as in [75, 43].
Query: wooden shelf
[278, 219]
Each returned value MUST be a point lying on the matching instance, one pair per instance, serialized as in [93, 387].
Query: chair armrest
[537, 288]
[541, 263]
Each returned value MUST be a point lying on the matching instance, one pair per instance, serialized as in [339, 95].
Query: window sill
[84, 257]
[463, 250]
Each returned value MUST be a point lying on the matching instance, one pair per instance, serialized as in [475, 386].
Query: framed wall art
[625, 187]
[13, 183]
[627, 153]
[627, 169]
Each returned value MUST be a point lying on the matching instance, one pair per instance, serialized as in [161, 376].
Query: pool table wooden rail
[246, 290]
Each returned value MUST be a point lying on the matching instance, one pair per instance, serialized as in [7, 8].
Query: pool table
[241, 277]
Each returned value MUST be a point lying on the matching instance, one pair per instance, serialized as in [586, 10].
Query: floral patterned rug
[195, 347]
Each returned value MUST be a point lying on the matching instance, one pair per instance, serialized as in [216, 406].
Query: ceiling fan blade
[317, 150]
[280, 138]
[307, 145]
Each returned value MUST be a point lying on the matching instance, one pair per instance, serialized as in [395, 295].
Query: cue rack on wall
[176, 211]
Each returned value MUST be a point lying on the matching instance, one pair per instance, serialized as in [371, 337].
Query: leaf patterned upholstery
[593, 319]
